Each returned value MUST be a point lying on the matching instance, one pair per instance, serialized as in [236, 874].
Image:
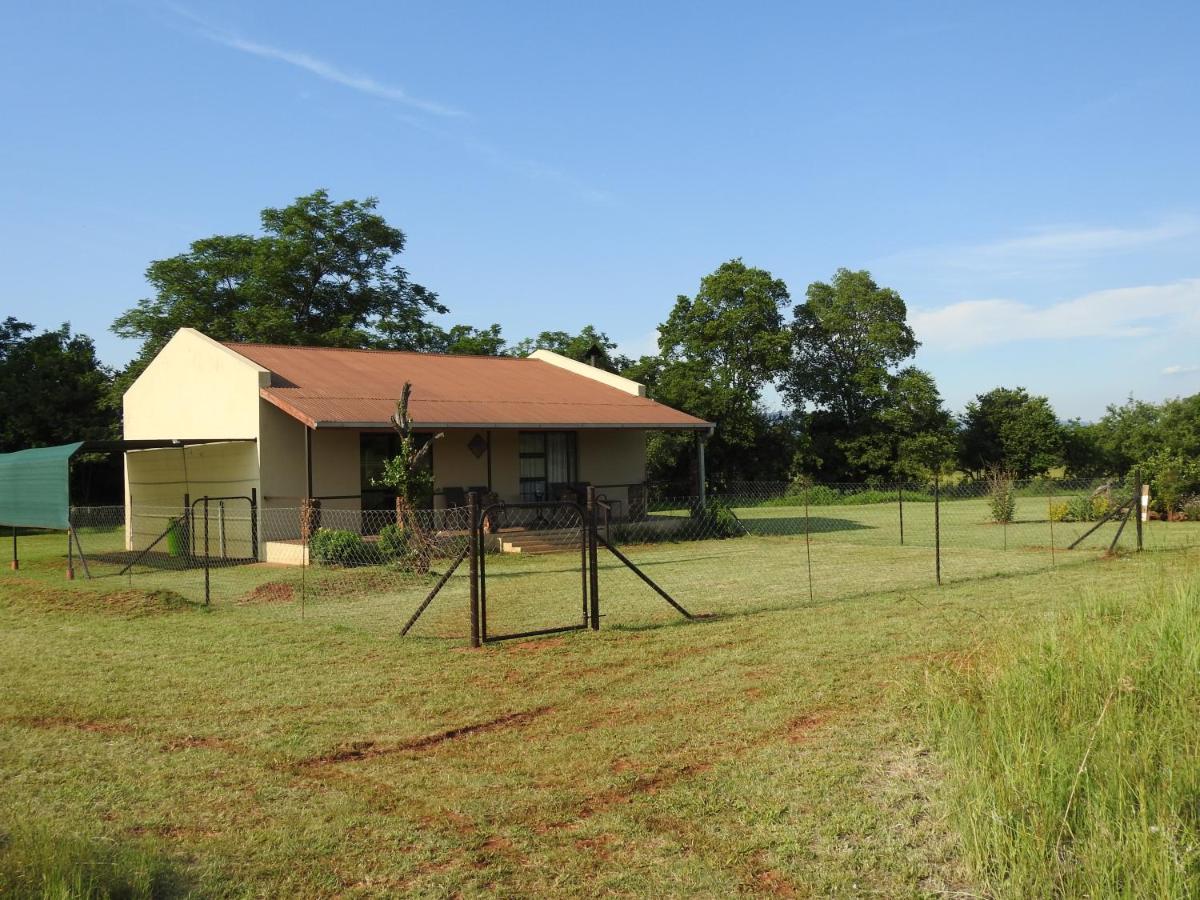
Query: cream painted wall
[608, 458]
[284, 476]
[611, 460]
[195, 388]
[336, 467]
[157, 480]
[454, 465]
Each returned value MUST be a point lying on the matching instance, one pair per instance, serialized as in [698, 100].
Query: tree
[321, 273]
[1007, 427]
[465, 339]
[589, 343]
[848, 337]
[53, 390]
[718, 351]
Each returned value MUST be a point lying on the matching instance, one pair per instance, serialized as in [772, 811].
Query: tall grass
[38, 863]
[1074, 763]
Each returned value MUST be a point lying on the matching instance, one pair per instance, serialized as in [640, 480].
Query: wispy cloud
[1118, 313]
[1181, 370]
[356, 81]
[1048, 247]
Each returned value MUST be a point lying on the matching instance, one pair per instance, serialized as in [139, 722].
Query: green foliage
[1190, 508]
[1002, 503]
[321, 273]
[53, 389]
[38, 863]
[1059, 511]
[717, 520]
[464, 340]
[1172, 477]
[1071, 763]
[588, 343]
[1007, 427]
[718, 350]
[847, 337]
[334, 547]
[1085, 508]
[396, 545]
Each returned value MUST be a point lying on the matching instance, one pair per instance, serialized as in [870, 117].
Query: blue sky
[1025, 174]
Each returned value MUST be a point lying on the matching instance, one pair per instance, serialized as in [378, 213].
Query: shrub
[1001, 501]
[332, 547]
[394, 543]
[1058, 512]
[717, 520]
[1191, 508]
[1083, 508]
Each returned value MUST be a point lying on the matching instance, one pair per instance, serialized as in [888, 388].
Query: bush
[717, 520]
[1087, 509]
[1191, 508]
[1058, 512]
[395, 544]
[1001, 501]
[332, 547]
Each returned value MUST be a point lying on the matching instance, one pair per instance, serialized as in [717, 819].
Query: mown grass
[779, 746]
[1075, 760]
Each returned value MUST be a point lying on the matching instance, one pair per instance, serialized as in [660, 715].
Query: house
[265, 427]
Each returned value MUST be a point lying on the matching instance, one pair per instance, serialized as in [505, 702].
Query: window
[373, 450]
[548, 458]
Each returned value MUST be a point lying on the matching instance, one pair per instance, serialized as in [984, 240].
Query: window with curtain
[547, 458]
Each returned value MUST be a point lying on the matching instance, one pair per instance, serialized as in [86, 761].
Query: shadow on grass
[36, 862]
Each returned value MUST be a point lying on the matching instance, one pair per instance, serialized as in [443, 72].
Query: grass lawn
[257, 748]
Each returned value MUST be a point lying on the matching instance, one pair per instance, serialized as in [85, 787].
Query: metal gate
[530, 518]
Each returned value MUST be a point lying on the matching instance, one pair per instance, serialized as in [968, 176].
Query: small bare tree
[404, 474]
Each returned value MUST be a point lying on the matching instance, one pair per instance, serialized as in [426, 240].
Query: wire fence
[749, 547]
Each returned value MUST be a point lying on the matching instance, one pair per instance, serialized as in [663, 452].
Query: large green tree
[1009, 428]
[321, 272]
[53, 389]
[718, 351]
[587, 345]
[849, 338]
[464, 339]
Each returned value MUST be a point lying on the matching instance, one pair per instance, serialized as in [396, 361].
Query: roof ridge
[236, 345]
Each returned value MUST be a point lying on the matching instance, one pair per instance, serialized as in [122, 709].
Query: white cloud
[328, 71]
[1118, 313]
[1049, 247]
[1180, 370]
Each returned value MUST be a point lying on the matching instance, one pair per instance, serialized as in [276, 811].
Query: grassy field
[780, 746]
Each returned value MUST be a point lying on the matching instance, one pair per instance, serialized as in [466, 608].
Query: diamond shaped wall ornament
[477, 445]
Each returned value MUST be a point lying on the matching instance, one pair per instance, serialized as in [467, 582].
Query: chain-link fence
[749, 547]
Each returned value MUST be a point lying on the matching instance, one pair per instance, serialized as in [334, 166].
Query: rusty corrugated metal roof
[328, 387]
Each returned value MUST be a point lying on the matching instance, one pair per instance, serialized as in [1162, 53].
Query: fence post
[1050, 517]
[937, 525]
[593, 559]
[206, 580]
[187, 527]
[474, 529]
[901, 515]
[16, 563]
[254, 523]
[70, 553]
[808, 544]
[1141, 502]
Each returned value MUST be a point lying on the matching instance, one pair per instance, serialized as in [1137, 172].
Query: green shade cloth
[35, 487]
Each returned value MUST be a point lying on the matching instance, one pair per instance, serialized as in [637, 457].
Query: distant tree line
[822, 388]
